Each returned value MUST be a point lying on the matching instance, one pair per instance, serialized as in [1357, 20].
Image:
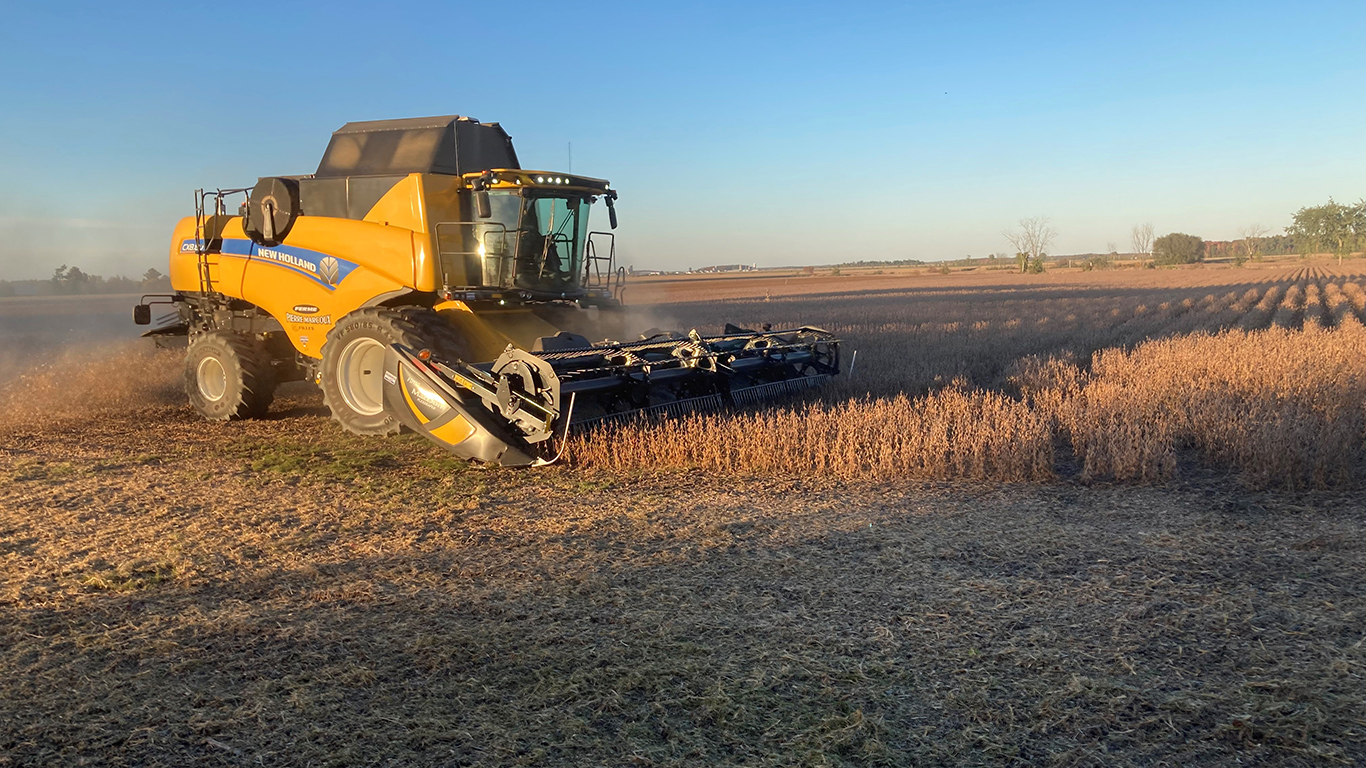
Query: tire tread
[249, 361]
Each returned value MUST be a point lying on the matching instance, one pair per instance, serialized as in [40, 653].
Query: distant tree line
[74, 281]
[896, 263]
[1271, 245]
[1333, 227]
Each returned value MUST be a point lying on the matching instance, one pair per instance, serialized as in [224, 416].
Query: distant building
[726, 268]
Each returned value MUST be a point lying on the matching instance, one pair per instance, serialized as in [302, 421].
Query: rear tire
[228, 376]
[353, 361]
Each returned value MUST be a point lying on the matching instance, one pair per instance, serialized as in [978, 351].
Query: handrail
[614, 279]
[496, 226]
[592, 262]
[506, 266]
[201, 239]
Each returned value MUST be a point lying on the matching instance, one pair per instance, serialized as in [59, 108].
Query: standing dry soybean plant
[1266, 380]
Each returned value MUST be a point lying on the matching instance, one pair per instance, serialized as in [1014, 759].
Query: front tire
[353, 361]
[228, 376]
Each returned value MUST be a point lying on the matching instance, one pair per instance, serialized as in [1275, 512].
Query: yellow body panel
[416, 204]
[327, 267]
[401, 206]
[308, 309]
[457, 430]
[225, 274]
[441, 195]
[490, 330]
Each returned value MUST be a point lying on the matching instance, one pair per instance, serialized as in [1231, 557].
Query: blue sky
[777, 133]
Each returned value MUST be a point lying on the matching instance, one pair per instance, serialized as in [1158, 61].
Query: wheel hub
[212, 379]
[360, 376]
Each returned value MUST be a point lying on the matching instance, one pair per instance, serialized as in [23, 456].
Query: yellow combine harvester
[422, 278]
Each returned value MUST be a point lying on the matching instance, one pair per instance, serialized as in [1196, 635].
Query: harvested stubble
[190, 609]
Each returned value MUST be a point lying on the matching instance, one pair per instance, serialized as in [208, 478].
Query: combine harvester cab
[422, 278]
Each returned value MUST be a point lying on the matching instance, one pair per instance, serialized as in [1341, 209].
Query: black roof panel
[446, 144]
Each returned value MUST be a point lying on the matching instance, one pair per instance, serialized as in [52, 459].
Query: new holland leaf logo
[329, 269]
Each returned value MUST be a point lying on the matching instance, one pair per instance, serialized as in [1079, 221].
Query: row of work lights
[543, 179]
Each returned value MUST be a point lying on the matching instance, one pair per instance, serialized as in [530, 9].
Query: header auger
[422, 278]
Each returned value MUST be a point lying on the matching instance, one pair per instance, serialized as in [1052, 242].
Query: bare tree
[1031, 240]
[1249, 245]
[1111, 249]
[1143, 239]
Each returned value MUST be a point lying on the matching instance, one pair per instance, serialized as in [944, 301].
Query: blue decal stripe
[324, 269]
[236, 247]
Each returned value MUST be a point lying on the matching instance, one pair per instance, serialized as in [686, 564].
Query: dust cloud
[83, 380]
[74, 356]
[636, 321]
[627, 325]
[77, 356]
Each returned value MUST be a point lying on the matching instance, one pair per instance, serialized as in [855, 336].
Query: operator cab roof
[448, 144]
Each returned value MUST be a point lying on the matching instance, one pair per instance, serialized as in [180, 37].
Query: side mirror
[142, 314]
[482, 207]
[611, 212]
